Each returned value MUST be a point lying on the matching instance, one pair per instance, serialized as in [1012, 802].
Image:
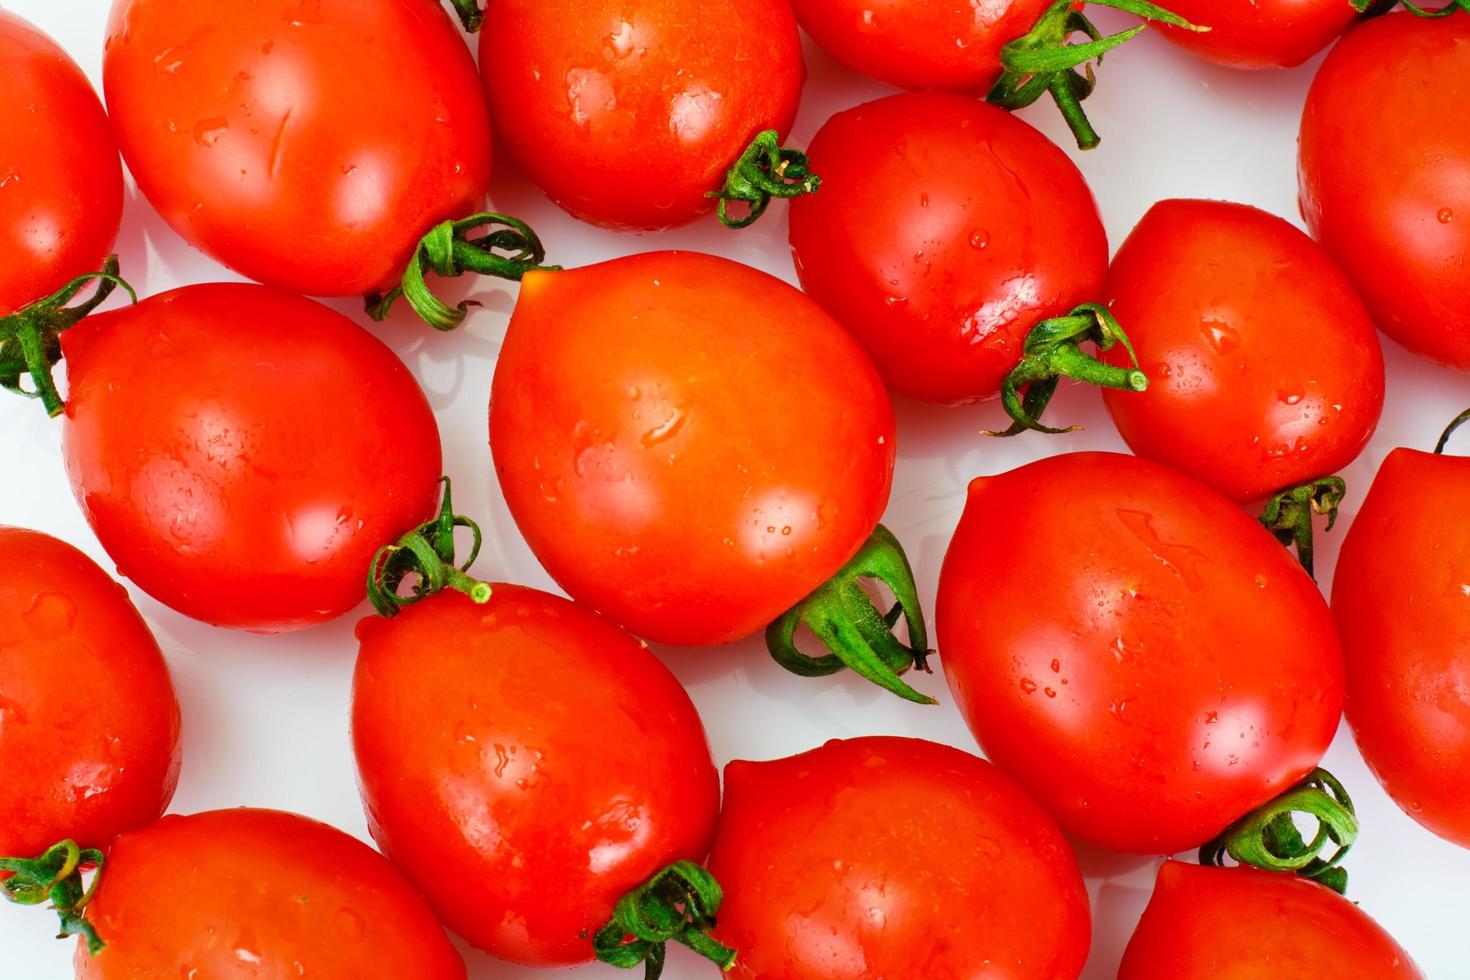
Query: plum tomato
[1256, 34]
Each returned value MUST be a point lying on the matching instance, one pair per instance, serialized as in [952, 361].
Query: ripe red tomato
[89, 725]
[1090, 618]
[689, 446]
[306, 145]
[1385, 175]
[235, 893]
[1266, 369]
[242, 452]
[1405, 628]
[526, 802]
[61, 189]
[1259, 33]
[893, 857]
[628, 113]
[945, 230]
[1245, 924]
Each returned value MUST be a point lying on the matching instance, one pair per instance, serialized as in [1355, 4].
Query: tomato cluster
[697, 453]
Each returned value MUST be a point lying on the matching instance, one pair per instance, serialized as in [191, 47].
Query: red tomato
[894, 857]
[1090, 620]
[1266, 370]
[628, 113]
[689, 446]
[1245, 924]
[89, 725]
[1385, 175]
[242, 452]
[308, 145]
[236, 893]
[944, 231]
[1406, 630]
[526, 802]
[61, 189]
[1260, 33]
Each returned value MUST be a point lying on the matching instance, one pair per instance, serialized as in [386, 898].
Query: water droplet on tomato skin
[1028, 685]
[1445, 216]
[351, 924]
[980, 239]
[50, 614]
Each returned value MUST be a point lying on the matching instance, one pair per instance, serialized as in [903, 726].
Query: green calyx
[858, 637]
[765, 170]
[56, 877]
[30, 338]
[1372, 8]
[508, 249]
[1444, 439]
[1268, 838]
[1046, 60]
[676, 905]
[427, 554]
[1052, 351]
[1288, 515]
[469, 13]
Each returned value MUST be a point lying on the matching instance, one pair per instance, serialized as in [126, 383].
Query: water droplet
[980, 239]
[1291, 396]
[207, 132]
[1221, 336]
[1028, 685]
[350, 924]
[1056, 666]
[50, 614]
[663, 431]
[1050, 692]
[897, 301]
[1445, 216]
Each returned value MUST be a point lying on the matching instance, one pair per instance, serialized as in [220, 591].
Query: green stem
[1052, 352]
[30, 338]
[1046, 60]
[508, 250]
[1373, 8]
[470, 14]
[56, 877]
[1267, 838]
[1444, 439]
[1288, 515]
[678, 904]
[765, 170]
[858, 636]
[427, 554]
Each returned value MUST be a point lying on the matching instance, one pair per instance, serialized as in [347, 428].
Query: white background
[266, 717]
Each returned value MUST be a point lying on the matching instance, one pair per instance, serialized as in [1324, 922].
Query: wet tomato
[1260, 33]
[893, 857]
[1090, 622]
[307, 145]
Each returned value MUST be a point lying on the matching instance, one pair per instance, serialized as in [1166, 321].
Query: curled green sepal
[507, 250]
[469, 13]
[765, 170]
[859, 637]
[1268, 838]
[676, 905]
[1045, 59]
[56, 877]
[1444, 439]
[427, 553]
[1288, 515]
[1373, 8]
[1052, 351]
[30, 338]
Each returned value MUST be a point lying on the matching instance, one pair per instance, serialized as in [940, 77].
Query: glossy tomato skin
[629, 112]
[1405, 627]
[526, 763]
[1090, 617]
[89, 724]
[1385, 175]
[893, 857]
[944, 231]
[1265, 369]
[306, 145]
[242, 452]
[1246, 924]
[1257, 34]
[920, 44]
[61, 186]
[258, 893]
[689, 446]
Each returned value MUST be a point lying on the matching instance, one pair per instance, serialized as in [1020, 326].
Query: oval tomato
[258, 893]
[242, 452]
[893, 857]
[1385, 175]
[1260, 33]
[1266, 368]
[1090, 620]
[305, 145]
[629, 113]
[61, 186]
[89, 724]
[945, 230]
[1245, 924]
[489, 783]
[1406, 631]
